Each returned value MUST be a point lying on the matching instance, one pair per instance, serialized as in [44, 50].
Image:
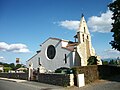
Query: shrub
[64, 70]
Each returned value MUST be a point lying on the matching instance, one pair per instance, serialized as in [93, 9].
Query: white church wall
[59, 59]
[34, 61]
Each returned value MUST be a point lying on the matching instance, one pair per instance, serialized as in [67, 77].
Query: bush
[64, 70]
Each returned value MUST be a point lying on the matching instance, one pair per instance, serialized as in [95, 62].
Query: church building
[56, 53]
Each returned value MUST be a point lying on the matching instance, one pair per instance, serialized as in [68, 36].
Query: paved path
[11, 84]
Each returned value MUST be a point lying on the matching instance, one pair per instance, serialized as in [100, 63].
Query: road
[9, 85]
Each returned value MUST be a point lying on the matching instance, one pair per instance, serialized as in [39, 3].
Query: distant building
[1, 68]
[17, 60]
[56, 53]
[21, 70]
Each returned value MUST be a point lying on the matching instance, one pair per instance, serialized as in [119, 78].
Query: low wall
[95, 72]
[90, 73]
[23, 76]
[106, 71]
[57, 79]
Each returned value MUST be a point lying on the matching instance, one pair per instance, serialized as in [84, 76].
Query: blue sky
[25, 24]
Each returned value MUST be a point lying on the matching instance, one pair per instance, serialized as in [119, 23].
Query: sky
[25, 24]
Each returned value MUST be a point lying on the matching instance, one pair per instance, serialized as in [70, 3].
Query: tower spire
[82, 15]
[83, 25]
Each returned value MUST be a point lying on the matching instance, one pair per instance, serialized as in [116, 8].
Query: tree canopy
[115, 8]
[12, 65]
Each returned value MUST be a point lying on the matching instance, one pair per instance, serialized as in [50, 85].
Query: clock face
[51, 52]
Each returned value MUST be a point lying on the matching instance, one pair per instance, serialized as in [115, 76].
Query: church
[56, 53]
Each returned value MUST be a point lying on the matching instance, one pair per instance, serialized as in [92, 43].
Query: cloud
[110, 53]
[17, 48]
[113, 0]
[101, 23]
[69, 24]
[2, 59]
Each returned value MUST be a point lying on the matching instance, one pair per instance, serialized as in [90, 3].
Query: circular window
[51, 52]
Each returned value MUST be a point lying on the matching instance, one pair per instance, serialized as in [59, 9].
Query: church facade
[56, 53]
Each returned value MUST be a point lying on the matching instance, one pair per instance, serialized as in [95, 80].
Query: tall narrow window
[84, 29]
[87, 37]
[39, 61]
[83, 37]
[65, 58]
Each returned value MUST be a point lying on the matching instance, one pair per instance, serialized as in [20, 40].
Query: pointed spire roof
[83, 25]
[82, 15]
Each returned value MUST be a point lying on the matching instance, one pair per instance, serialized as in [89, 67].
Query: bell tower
[83, 32]
[84, 47]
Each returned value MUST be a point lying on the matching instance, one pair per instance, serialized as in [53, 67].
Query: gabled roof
[72, 44]
[69, 49]
[31, 57]
[51, 38]
[55, 39]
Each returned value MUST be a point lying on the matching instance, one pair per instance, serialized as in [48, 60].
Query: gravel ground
[112, 83]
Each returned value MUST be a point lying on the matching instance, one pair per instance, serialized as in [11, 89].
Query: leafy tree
[5, 65]
[92, 60]
[12, 65]
[18, 66]
[115, 8]
[113, 62]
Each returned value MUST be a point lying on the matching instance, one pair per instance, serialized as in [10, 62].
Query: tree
[12, 65]
[18, 66]
[115, 8]
[92, 60]
[113, 62]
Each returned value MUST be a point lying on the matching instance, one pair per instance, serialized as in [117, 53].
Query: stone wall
[90, 73]
[95, 72]
[106, 71]
[57, 79]
[23, 76]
